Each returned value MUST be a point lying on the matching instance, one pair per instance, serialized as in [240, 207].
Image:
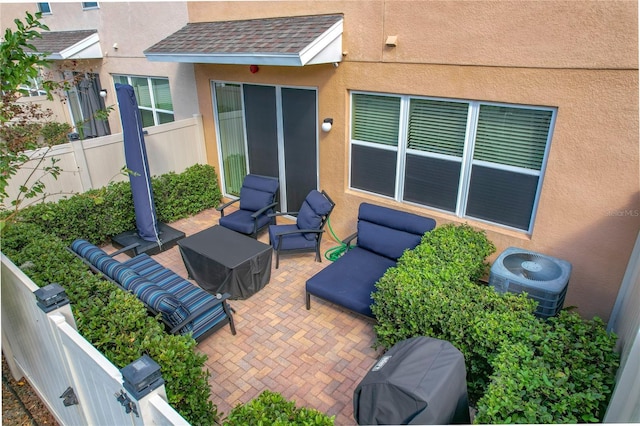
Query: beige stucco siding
[578, 57]
[125, 29]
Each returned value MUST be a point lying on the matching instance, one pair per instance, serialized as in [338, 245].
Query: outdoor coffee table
[224, 261]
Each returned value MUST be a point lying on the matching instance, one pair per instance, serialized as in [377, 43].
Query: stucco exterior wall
[134, 26]
[580, 57]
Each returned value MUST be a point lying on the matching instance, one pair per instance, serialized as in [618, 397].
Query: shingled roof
[296, 40]
[80, 44]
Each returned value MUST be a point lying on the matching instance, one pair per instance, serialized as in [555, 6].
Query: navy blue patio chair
[257, 201]
[306, 234]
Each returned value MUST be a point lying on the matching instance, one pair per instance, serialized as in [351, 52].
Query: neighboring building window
[154, 98]
[34, 87]
[475, 159]
[45, 8]
[85, 103]
[89, 5]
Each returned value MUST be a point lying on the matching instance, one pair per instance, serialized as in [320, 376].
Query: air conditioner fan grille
[532, 266]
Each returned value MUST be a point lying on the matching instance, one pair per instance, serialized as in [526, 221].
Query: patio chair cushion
[310, 215]
[294, 241]
[257, 192]
[253, 200]
[241, 221]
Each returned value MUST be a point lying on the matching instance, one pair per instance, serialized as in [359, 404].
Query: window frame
[45, 12]
[35, 86]
[90, 5]
[153, 109]
[466, 161]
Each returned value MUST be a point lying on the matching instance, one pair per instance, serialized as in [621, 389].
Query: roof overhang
[324, 47]
[61, 45]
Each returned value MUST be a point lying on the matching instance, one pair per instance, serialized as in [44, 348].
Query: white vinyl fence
[624, 406]
[46, 349]
[94, 163]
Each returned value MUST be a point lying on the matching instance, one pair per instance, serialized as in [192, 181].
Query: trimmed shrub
[519, 368]
[98, 214]
[114, 321]
[271, 408]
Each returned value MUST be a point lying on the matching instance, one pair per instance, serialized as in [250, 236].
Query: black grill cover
[421, 380]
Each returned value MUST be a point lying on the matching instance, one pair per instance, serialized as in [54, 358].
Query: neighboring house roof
[292, 41]
[80, 44]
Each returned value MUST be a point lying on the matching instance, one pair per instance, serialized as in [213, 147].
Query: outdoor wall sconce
[103, 93]
[254, 69]
[326, 124]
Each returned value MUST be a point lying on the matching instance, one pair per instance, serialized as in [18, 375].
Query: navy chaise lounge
[383, 234]
[184, 307]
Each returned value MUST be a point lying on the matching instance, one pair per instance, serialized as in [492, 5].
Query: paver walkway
[315, 357]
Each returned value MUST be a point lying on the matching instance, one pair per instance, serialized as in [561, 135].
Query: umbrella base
[168, 238]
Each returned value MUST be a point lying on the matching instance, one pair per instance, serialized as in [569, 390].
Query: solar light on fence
[51, 297]
[142, 376]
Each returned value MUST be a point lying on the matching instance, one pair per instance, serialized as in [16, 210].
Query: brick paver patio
[315, 357]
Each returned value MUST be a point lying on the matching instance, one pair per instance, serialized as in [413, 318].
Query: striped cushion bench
[185, 308]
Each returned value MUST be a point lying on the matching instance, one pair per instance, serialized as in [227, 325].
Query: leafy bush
[565, 375]
[181, 195]
[54, 133]
[519, 368]
[98, 214]
[271, 408]
[114, 321]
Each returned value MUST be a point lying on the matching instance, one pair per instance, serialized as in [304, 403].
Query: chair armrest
[262, 210]
[124, 249]
[283, 214]
[225, 205]
[300, 231]
[347, 241]
[201, 310]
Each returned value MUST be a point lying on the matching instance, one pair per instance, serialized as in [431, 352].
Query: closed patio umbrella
[136, 159]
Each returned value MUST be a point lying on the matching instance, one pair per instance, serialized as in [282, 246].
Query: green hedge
[98, 214]
[519, 368]
[272, 409]
[115, 322]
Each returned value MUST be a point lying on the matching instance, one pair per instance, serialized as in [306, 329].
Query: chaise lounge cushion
[190, 295]
[349, 280]
[160, 289]
[390, 232]
[383, 236]
[161, 301]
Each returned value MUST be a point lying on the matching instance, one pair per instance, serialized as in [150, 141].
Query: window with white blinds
[376, 119]
[154, 98]
[474, 159]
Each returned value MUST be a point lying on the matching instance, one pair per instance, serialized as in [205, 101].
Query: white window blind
[474, 159]
[376, 119]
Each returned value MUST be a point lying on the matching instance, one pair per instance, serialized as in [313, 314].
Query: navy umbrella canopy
[136, 158]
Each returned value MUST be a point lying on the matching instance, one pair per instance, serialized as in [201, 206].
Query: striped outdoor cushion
[161, 301]
[143, 264]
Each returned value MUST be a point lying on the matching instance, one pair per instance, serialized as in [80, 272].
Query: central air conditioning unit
[543, 278]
